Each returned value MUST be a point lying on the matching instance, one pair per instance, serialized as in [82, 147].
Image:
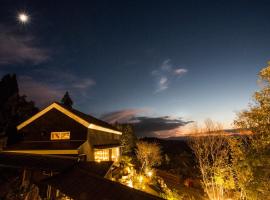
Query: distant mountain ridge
[227, 131]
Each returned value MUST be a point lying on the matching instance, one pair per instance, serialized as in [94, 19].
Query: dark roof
[36, 162]
[54, 163]
[46, 145]
[81, 184]
[88, 118]
[97, 168]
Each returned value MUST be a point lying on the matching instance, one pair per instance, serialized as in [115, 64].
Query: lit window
[115, 154]
[102, 155]
[107, 154]
[60, 135]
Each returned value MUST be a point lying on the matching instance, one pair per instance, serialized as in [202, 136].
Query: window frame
[64, 135]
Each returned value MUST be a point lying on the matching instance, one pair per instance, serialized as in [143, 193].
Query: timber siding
[102, 138]
[54, 120]
[87, 149]
[85, 134]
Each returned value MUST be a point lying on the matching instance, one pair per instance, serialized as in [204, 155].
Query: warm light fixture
[140, 178]
[149, 173]
[23, 18]
[130, 183]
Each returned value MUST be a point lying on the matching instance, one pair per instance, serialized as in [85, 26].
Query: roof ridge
[85, 119]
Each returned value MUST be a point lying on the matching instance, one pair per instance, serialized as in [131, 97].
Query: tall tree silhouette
[14, 108]
[66, 100]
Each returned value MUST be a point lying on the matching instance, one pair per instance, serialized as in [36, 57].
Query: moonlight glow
[23, 18]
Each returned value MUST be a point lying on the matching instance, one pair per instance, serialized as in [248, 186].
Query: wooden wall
[54, 120]
[87, 149]
[99, 137]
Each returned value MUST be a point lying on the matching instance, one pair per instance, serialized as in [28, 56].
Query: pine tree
[67, 101]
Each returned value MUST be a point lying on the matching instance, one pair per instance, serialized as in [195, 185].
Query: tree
[211, 152]
[67, 101]
[14, 108]
[148, 154]
[128, 138]
[240, 166]
[257, 148]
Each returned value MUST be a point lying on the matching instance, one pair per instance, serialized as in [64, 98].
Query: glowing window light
[115, 154]
[102, 155]
[64, 135]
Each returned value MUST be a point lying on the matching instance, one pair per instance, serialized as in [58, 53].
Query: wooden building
[58, 130]
[57, 157]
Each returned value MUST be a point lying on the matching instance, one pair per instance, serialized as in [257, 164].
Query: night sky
[158, 64]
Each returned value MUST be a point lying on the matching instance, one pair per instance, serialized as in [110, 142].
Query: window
[102, 155]
[107, 154]
[65, 135]
[115, 154]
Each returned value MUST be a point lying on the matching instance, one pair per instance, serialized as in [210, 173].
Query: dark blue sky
[120, 59]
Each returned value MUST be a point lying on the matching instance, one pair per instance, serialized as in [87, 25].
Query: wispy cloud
[122, 116]
[84, 83]
[166, 65]
[20, 48]
[165, 74]
[163, 83]
[66, 79]
[164, 126]
[51, 85]
[180, 71]
[39, 92]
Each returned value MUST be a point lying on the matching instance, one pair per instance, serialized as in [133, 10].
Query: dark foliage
[178, 157]
[128, 138]
[14, 108]
[67, 101]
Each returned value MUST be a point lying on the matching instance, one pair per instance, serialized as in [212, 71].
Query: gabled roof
[86, 120]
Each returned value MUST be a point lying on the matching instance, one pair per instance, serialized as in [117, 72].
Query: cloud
[180, 71]
[166, 65]
[41, 93]
[163, 83]
[20, 48]
[122, 116]
[64, 79]
[164, 126]
[166, 74]
[44, 86]
[84, 83]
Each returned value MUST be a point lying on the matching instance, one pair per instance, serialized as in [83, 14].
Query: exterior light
[140, 178]
[130, 184]
[149, 173]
